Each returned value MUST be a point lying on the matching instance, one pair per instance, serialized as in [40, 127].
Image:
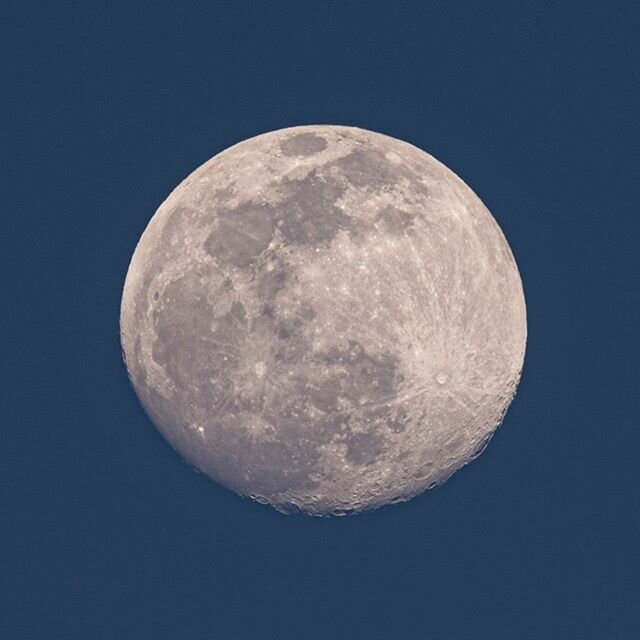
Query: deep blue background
[106, 533]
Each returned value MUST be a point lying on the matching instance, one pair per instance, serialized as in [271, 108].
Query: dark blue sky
[106, 533]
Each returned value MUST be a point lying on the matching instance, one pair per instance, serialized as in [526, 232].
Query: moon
[325, 319]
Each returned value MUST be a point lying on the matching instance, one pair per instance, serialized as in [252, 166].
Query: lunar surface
[325, 319]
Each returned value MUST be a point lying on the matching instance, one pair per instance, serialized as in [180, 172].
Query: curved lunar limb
[325, 319]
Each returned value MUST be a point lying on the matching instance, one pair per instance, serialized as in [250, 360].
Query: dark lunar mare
[314, 406]
[306, 211]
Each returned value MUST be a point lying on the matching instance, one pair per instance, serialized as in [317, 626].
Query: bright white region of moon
[325, 319]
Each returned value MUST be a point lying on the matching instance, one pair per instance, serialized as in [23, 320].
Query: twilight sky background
[106, 534]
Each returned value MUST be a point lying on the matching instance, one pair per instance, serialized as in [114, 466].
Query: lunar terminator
[324, 318]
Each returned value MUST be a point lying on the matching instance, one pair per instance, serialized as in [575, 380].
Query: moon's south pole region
[325, 319]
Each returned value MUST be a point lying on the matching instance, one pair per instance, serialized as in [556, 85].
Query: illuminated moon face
[325, 319]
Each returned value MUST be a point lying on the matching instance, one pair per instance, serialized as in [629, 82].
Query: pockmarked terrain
[325, 319]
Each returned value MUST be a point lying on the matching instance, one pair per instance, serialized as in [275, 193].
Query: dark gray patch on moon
[308, 214]
[271, 282]
[359, 377]
[310, 408]
[367, 168]
[303, 144]
[395, 221]
[364, 448]
[242, 234]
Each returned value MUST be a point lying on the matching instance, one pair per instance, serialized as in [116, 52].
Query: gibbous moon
[325, 319]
